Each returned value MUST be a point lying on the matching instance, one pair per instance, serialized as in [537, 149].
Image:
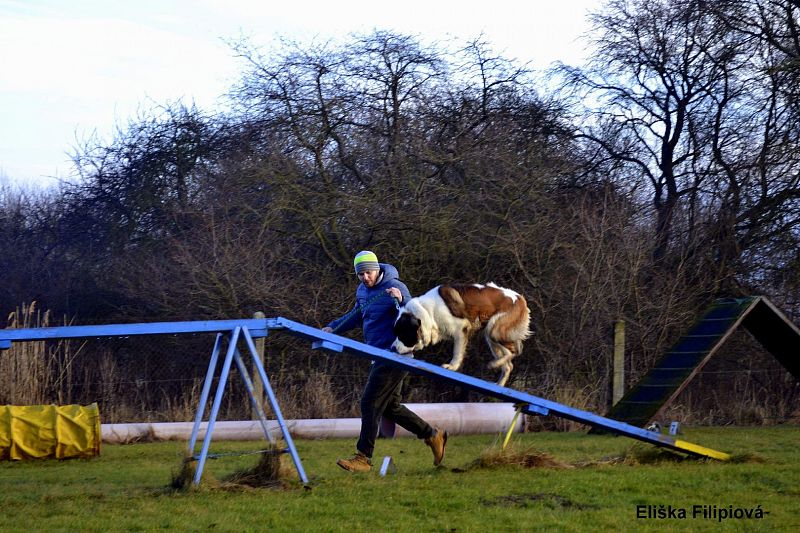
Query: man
[375, 312]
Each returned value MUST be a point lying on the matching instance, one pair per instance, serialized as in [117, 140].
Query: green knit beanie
[365, 260]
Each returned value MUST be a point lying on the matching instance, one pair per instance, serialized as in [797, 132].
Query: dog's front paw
[448, 366]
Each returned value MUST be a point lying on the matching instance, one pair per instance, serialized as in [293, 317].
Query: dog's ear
[428, 330]
[433, 333]
[405, 329]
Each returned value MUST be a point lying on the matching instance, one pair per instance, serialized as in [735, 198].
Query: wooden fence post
[258, 386]
[619, 362]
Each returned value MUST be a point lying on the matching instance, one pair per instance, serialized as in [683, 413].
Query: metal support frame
[233, 355]
[233, 330]
[254, 328]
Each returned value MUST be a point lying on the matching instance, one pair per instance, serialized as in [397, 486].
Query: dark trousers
[381, 398]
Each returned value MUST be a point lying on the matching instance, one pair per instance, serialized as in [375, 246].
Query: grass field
[127, 488]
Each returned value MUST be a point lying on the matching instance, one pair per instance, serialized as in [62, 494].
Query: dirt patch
[550, 500]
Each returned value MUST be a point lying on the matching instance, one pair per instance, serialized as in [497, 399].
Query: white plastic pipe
[455, 418]
[230, 430]
[459, 418]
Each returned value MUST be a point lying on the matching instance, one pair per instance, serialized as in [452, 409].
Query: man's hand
[395, 293]
[326, 329]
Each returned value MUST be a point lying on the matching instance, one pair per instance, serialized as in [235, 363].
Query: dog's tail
[514, 324]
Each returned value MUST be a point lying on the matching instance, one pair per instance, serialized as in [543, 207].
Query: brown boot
[359, 463]
[437, 442]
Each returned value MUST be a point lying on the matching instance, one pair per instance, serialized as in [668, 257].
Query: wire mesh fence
[160, 378]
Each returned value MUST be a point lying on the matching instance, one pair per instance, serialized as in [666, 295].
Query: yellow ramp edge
[701, 450]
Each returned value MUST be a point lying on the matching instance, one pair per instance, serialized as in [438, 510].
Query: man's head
[367, 267]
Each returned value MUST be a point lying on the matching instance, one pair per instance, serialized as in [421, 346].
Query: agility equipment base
[228, 331]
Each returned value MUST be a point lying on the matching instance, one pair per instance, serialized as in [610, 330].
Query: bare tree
[647, 86]
[760, 210]
[698, 108]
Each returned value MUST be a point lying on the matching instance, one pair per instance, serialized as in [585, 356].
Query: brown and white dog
[455, 312]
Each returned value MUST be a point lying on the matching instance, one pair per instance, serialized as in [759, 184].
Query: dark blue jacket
[374, 311]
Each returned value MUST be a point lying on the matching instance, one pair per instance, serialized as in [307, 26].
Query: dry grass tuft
[25, 378]
[642, 454]
[183, 477]
[269, 472]
[511, 456]
[37, 372]
[747, 457]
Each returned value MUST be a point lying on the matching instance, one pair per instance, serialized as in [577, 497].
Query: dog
[456, 312]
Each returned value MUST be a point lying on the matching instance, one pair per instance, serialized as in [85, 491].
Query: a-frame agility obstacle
[234, 332]
[654, 392]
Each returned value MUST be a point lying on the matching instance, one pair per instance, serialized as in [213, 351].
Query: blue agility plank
[530, 404]
[256, 327]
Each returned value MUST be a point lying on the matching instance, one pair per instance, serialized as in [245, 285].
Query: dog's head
[407, 330]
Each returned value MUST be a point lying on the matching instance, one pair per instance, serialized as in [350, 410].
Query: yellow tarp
[49, 431]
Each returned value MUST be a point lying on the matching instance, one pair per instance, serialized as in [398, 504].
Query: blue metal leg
[275, 407]
[248, 383]
[223, 380]
[212, 367]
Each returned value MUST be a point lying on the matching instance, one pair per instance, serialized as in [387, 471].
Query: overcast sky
[69, 68]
